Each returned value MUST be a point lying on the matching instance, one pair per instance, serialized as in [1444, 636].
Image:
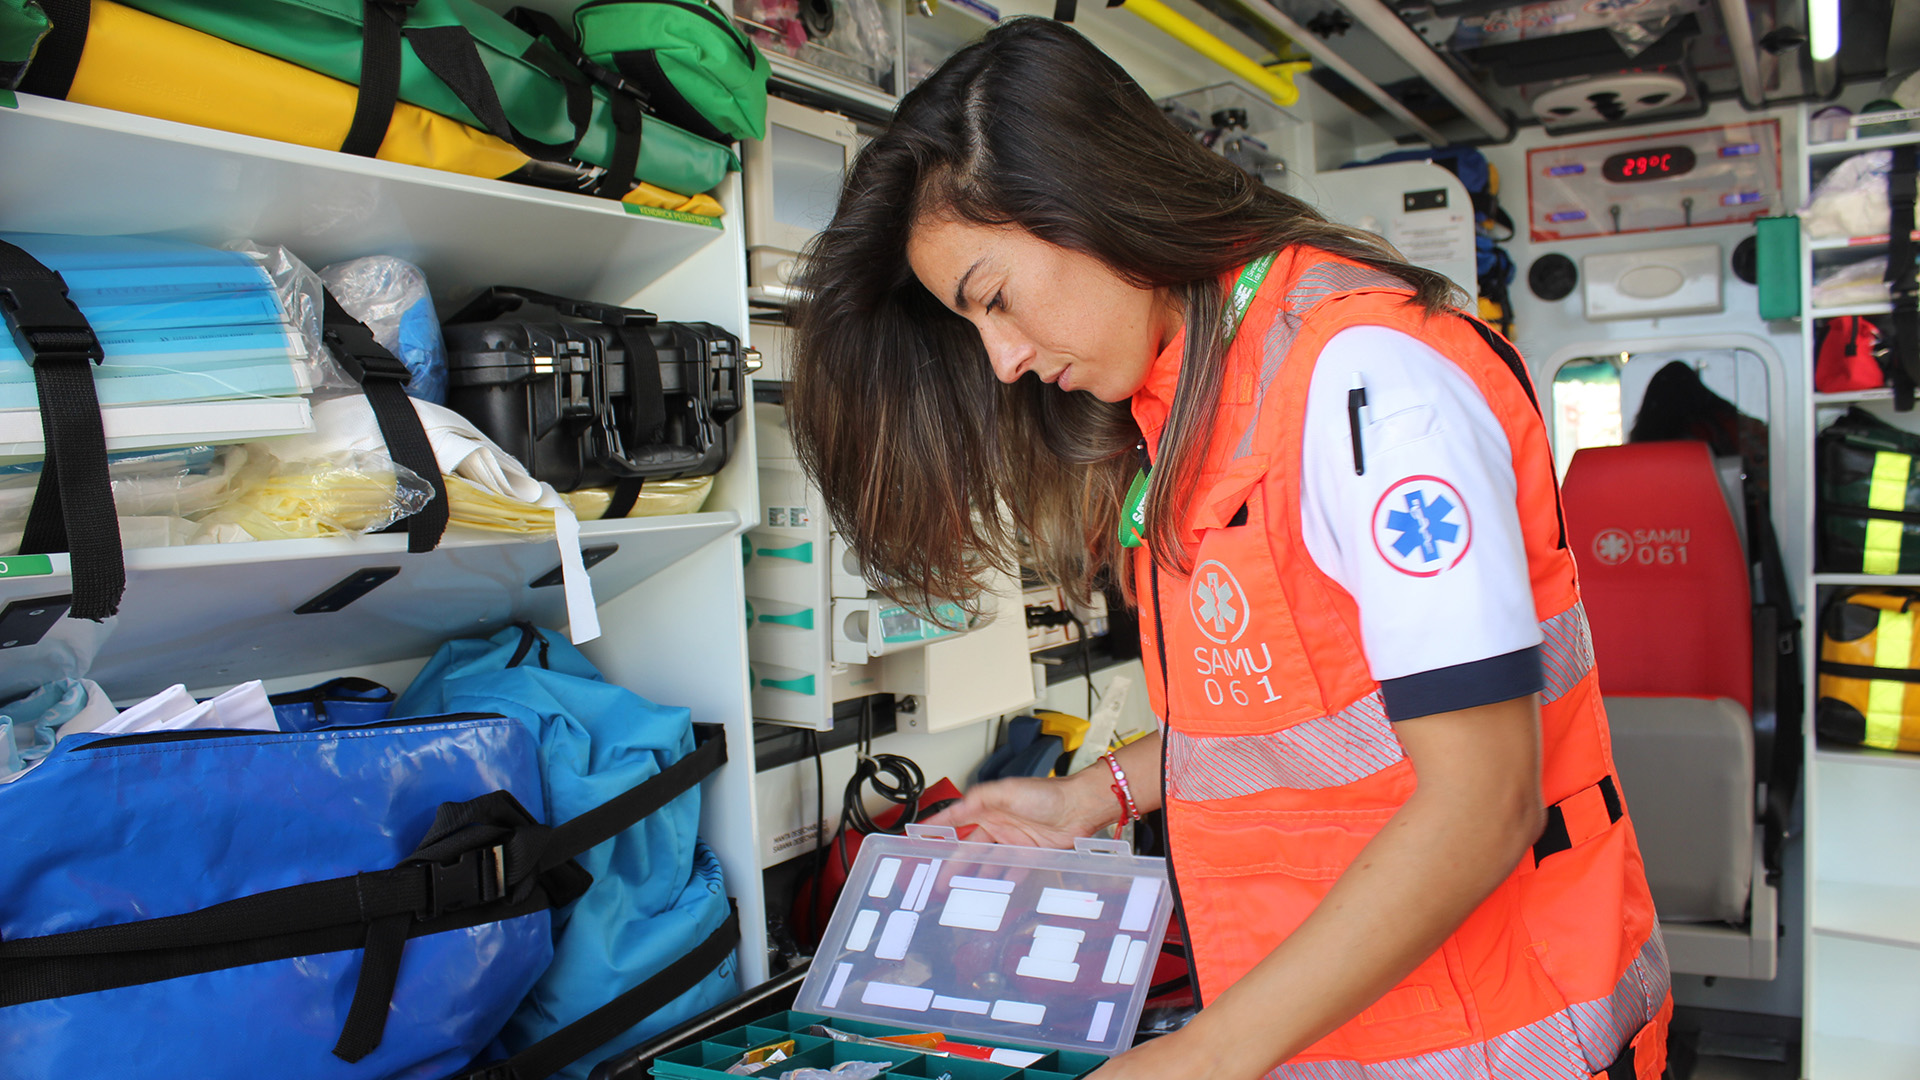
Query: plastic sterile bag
[338, 494]
[390, 296]
[1862, 282]
[1851, 200]
[29, 725]
[846, 1070]
[300, 294]
[156, 494]
[658, 498]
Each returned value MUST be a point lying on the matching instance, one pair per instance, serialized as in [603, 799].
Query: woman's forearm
[1097, 805]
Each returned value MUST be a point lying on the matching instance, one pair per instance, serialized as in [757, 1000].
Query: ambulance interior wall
[1549, 333]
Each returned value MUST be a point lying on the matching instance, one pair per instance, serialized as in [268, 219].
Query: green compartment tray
[712, 1057]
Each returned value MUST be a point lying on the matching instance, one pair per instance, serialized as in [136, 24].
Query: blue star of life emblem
[1421, 526]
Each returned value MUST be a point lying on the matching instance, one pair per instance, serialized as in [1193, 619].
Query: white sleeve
[1425, 533]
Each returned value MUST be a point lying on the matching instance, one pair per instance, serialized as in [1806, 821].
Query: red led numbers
[1648, 164]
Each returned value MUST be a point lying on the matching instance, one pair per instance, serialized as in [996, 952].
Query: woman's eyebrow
[960, 290]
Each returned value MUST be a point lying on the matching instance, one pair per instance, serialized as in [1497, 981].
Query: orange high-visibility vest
[1280, 763]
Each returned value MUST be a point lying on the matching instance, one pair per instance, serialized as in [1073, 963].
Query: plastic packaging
[343, 493]
[657, 498]
[1851, 200]
[300, 292]
[157, 494]
[846, 1070]
[1862, 282]
[30, 725]
[390, 295]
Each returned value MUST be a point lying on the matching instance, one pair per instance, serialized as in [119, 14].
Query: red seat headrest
[1661, 571]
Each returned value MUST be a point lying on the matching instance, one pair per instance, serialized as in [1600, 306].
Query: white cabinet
[671, 594]
[1862, 1019]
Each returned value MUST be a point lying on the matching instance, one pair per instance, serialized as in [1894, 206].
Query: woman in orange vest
[1046, 326]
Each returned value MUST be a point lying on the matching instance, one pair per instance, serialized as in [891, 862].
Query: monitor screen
[806, 177]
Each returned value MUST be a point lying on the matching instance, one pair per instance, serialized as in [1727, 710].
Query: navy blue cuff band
[1464, 686]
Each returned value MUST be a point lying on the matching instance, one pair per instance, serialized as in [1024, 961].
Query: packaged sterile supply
[390, 296]
[1851, 200]
[1863, 282]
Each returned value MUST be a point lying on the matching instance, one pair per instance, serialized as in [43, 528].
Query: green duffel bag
[698, 69]
[466, 62]
[1868, 503]
[22, 26]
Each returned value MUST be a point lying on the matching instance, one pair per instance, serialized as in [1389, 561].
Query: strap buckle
[46, 323]
[476, 877]
[364, 357]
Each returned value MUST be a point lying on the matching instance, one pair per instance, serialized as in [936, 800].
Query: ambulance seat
[1665, 582]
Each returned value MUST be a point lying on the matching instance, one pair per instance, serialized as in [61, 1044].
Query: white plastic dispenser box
[1028, 946]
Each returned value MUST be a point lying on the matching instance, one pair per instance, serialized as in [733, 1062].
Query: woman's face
[1059, 314]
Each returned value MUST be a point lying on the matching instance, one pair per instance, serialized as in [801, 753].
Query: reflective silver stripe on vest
[1325, 752]
[1322, 280]
[1566, 652]
[1572, 1044]
[1348, 746]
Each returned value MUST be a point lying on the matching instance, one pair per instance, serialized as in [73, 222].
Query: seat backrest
[1661, 571]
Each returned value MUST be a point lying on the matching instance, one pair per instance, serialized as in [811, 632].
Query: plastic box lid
[1035, 946]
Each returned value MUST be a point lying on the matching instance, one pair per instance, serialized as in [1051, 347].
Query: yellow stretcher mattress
[137, 63]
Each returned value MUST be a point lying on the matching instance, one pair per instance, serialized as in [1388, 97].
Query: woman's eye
[999, 301]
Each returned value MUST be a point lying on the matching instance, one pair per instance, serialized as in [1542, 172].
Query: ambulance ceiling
[1471, 69]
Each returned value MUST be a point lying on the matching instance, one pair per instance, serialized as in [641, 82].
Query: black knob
[1552, 277]
[1746, 260]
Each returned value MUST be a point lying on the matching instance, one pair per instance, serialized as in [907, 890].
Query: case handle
[1088, 845]
[932, 832]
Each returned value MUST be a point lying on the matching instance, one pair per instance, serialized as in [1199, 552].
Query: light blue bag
[657, 889]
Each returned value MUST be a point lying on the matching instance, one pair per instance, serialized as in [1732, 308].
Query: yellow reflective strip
[1886, 698]
[1888, 490]
[1880, 552]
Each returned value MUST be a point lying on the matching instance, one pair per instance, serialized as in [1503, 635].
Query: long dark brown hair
[933, 469]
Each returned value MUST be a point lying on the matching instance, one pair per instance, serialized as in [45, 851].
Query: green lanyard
[1133, 523]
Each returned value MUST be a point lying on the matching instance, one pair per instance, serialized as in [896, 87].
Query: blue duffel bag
[359, 903]
[656, 887]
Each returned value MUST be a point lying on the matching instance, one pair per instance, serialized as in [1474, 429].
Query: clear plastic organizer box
[1031, 949]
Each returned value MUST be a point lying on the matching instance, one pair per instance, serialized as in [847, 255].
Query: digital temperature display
[1651, 164]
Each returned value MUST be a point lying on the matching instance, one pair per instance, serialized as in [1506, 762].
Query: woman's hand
[1033, 812]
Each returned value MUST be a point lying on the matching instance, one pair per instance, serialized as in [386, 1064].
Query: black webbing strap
[449, 52]
[380, 54]
[626, 493]
[58, 57]
[1900, 277]
[1065, 10]
[503, 299]
[626, 100]
[383, 378]
[1867, 671]
[485, 853]
[1511, 357]
[1556, 838]
[646, 393]
[576, 1040]
[73, 507]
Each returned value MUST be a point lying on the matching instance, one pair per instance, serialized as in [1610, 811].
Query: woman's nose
[1011, 355]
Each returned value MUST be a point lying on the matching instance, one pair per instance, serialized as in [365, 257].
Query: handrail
[1276, 82]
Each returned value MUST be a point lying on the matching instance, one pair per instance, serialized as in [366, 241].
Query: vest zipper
[1166, 815]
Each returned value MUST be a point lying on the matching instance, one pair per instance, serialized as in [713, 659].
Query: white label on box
[1018, 1059]
[1062, 949]
[1116, 959]
[1140, 904]
[985, 884]
[970, 909]
[1051, 970]
[1070, 904]
[1136, 953]
[890, 996]
[1060, 933]
[832, 997]
[912, 896]
[881, 886]
[861, 935]
[1102, 1018]
[897, 936]
[926, 886]
[961, 1005]
[1018, 1012]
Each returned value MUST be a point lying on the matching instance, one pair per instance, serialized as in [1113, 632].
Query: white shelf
[1860, 145]
[1848, 397]
[1881, 914]
[1834, 1057]
[211, 615]
[79, 169]
[1884, 307]
[1906, 580]
[1846, 243]
[1861, 755]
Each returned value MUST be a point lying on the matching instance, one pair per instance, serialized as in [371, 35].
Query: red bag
[1846, 358]
[813, 901]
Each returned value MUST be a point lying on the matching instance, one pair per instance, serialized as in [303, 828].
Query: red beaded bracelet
[1129, 810]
